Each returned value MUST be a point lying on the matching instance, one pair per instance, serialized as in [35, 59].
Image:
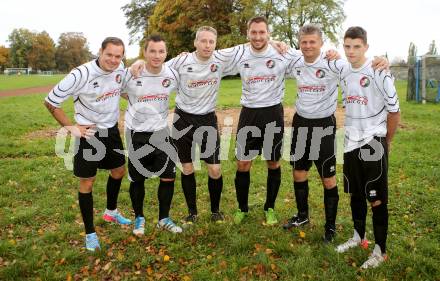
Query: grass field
[42, 234]
[10, 82]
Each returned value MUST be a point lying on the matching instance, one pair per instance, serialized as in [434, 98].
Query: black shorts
[313, 140]
[367, 176]
[150, 154]
[197, 129]
[98, 152]
[260, 129]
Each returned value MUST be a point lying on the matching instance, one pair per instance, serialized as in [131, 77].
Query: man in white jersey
[195, 121]
[95, 88]
[314, 126]
[151, 151]
[371, 119]
[261, 124]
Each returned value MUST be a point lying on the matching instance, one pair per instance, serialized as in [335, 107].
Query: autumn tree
[4, 57]
[41, 56]
[20, 43]
[72, 50]
[138, 13]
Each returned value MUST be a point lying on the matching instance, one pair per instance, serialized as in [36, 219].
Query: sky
[391, 24]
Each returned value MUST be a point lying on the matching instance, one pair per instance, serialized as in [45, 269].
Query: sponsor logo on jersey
[357, 99]
[364, 82]
[153, 98]
[139, 83]
[95, 85]
[373, 193]
[214, 67]
[108, 95]
[201, 83]
[118, 78]
[320, 73]
[270, 64]
[166, 82]
[246, 65]
[260, 79]
[311, 89]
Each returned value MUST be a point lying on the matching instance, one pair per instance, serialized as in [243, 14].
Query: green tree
[138, 13]
[20, 43]
[42, 53]
[72, 50]
[287, 17]
[4, 57]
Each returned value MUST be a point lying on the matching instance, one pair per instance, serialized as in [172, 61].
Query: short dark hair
[258, 19]
[309, 29]
[153, 38]
[112, 40]
[356, 32]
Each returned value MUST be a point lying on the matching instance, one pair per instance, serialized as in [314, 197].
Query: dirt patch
[25, 91]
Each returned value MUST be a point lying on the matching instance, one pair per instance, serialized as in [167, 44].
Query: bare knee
[375, 203]
[273, 165]
[214, 171]
[187, 168]
[86, 184]
[166, 180]
[244, 166]
[118, 173]
[300, 175]
[329, 183]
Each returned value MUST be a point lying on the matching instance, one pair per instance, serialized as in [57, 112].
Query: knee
[273, 165]
[85, 185]
[166, 180]
[300, 175]
[187, 168]
[329, 183]
[118, 173]
[244, 166]
[214, 171]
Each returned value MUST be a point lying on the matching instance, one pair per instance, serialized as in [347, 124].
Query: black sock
[215, 187]
[359, 214]
[113, 187]
[165, 194]
[86, 207]
[189, 190]
[380, 225]
[273, 185]
[137, 195]
[242, 181]
[301, 197]
[331, 199]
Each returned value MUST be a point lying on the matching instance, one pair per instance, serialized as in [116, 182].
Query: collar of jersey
[366, 64]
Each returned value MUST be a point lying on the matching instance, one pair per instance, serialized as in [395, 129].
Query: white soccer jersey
[200, 80]
[95, 94]
[148, 99]
[262, 75]
[317, 86]
[368, 96]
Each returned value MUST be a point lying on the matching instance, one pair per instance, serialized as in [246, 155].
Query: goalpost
[18, 71]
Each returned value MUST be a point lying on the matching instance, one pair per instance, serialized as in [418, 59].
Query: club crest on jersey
[320, 73]
[214, 67]
[270, 64]
[166, 83]
[118, 78]
[365, 82]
